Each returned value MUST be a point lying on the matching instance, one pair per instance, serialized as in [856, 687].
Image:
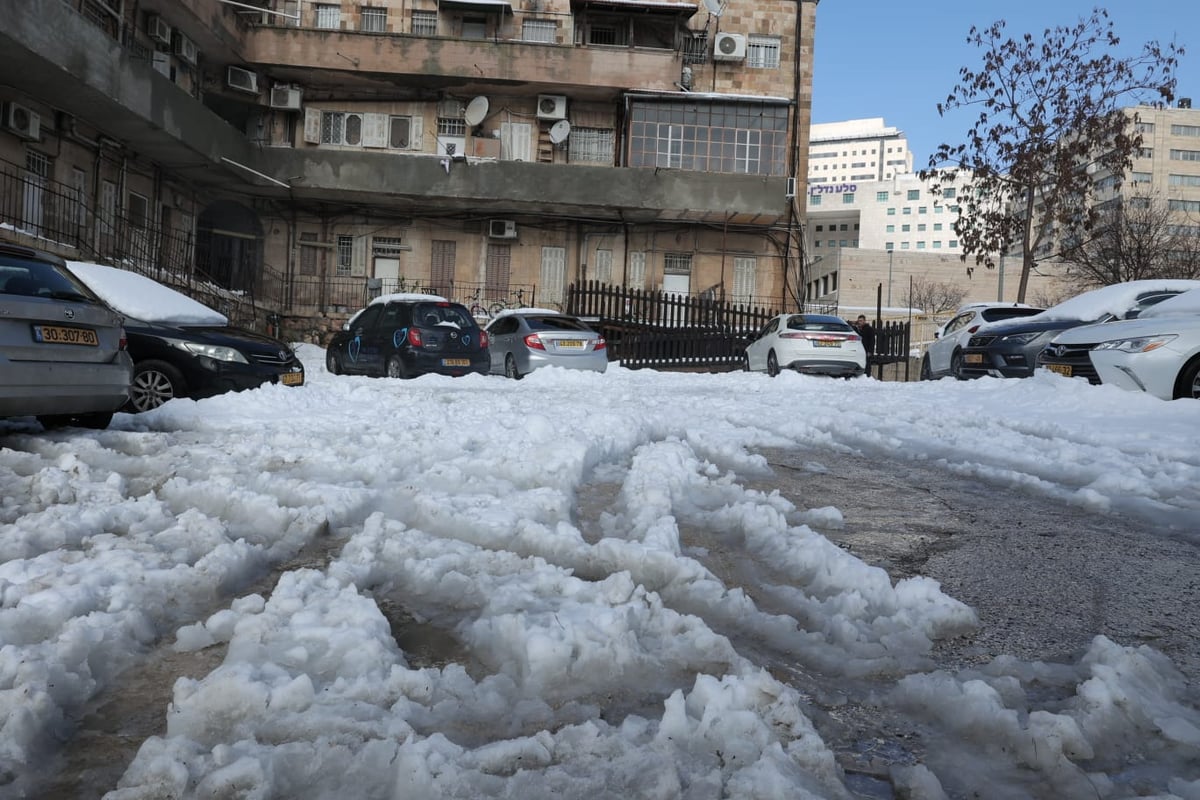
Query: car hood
[1033, 324]
[1128, 329]
[224, 335]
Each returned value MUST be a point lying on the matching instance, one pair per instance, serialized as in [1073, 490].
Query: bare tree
[933, 297]
[1133, 239]
[1048, 108]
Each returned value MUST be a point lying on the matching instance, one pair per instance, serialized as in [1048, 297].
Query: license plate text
[59, 334]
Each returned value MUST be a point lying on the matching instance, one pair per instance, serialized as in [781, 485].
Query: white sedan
[815, 344]
[1158, 353]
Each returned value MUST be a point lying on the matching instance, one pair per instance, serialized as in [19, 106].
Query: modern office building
[297, 151]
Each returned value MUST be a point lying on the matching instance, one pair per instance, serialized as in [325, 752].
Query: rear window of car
[554, 323]
[434, 314]
[33, 278]
[799, 323]
[993, 314]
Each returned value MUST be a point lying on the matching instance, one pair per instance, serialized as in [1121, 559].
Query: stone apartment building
[301, 151]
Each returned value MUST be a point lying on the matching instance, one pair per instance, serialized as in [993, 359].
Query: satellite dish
[476, 110]
[714, 7]
[559, 131]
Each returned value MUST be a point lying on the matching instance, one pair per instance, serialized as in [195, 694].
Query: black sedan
[182, 348]
[406, 335]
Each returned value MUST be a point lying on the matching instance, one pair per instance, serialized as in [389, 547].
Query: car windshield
[994, 314]
[430, 315]
[555, 323]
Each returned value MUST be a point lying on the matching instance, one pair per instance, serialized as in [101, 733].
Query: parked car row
[79, 342]
[1140, 335]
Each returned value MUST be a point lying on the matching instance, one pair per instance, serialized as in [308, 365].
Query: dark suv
[406, 336]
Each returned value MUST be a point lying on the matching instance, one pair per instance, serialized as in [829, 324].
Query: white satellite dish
[559, 131]
[714, 7]
[476, 110]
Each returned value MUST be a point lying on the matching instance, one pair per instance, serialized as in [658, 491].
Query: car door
[502, 336]
[943, 347]
[756, 352]
[356, 357]
[385, 336]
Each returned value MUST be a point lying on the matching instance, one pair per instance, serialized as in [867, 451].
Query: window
[1146, 152]
[340, 128]
[1141, 177]
[594, 145]
[745, 268]
[1192, 206]
[937, 244]
[1185, 155]
[637, 269]
[452, 126]
[374, 20]
[889, 245]
[907, 211]
[814, 199]
[138, 210]
[1182, 180]
[848, 199]
[905, 228]
[404, 133]
[921, 227]
[949, 192]
[677, 263]
[554, 274]
[881, 197]
[1144, 127]
[345, 255]
[309, 253]
[891, 212]
[889, 229]
[329, 15]
[424, 23]
[937, 226]
[539, 30]
[954, 242]
[709, 136]
[922, 209]
[474, 27]
[762, 52]
[1185, 130]
[921, 245]
[914, 194]
[386, 246]
[904, 245]
[441, 265]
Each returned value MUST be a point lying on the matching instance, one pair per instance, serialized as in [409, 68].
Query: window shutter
[358, 261]
[637, 270]
[312, 125]
[414, 134]
[554, 274]
[375, 130]
[603, 270]
[744, 270]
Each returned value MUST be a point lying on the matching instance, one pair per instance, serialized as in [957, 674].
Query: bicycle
[502, 305]
[476, 307]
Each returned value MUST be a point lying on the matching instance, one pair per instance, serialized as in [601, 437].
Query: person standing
[866, 332]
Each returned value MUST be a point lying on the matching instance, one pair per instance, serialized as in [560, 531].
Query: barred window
[451, 126]
[539, 30]
[677, 263]
[345, 255]
[762, 52]
[592, 144]
[424, 23]
[386, 246]
[329, 15]
[374, 20]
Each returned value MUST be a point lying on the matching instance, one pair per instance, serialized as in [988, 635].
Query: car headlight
[1023, 338]
[215, 352]
[1142, 344]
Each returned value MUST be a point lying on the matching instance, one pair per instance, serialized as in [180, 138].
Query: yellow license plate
[973, 358]
[827, 343]
[59, 334]
[576, 343]
[292, 378]
[456, 362]
[1061, 369]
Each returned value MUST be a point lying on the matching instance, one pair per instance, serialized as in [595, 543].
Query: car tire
[396, 369]
[956, 365]
[926, 371]
[154, 383]
[333, 364]
[96, 421]
[745, 363]
[1188, 385]
[510, 368]
[772, 364]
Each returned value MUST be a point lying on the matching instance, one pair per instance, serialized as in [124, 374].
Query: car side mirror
[937, 334]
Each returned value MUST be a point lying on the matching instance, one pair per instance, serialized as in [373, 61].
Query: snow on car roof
[531, 310]
[143, 298]
[409, 297]
[1115, 299]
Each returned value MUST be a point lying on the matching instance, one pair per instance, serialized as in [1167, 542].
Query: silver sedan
[523, 340]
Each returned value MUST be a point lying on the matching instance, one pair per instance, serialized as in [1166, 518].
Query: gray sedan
[520, 341]
[62, 350]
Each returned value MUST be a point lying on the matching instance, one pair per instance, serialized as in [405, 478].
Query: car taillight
[600, 344]
[534, 342]
[124, 343]
[972, 329]
[483, 339]
[414, 338]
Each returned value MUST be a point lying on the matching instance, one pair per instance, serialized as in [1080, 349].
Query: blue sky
[881, 58]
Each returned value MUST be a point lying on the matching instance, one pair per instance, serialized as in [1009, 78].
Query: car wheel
[510, 368]
[956, 365]
[97, 421]
[772, 364]
[926, 372]
[1189, 381]
[396, 368]
[154, 383]
[745, 363]
[333, 364]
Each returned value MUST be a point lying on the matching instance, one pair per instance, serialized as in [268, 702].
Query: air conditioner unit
[185, 48]
[729, 47]
[551, 106]
[159, 30]
[285, 97]
[242, 79]
[23, 121]
[502, 229]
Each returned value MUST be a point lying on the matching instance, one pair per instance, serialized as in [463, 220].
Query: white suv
[944, 355]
